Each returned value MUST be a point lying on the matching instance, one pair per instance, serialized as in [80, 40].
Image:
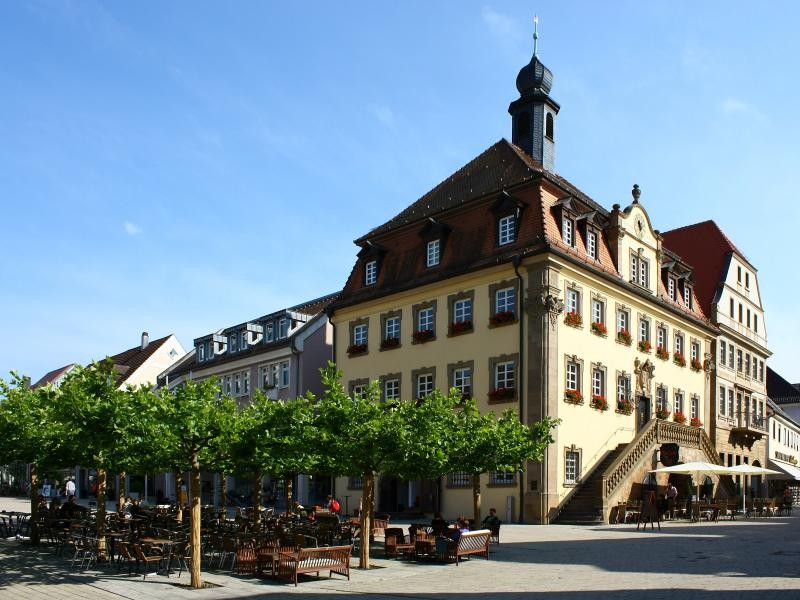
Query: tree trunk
[179, 496]
[367, 510]
[223, 493]
[476, 498]
[122, 492]
[34, 518]
[257, 483]
[194, 539]
[288, 483]
[101, 514]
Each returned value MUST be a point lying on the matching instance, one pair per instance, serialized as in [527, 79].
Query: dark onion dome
[534, 78]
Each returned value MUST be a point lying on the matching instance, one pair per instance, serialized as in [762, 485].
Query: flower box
[599, 402]
[425, 335]
[502, 393]
[389, 343]
[662, 353]
[679, 417]
[679, 359]
[696, 422]
[573, 397]
[662, 413]
[356, 349]
[573, 319]
[460, 327]
[503, 318]
[696, 365]
[599, 328]
[644, 346]
[624, 336]
[624, 407]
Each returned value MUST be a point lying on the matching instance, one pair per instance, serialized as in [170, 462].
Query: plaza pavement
[744, 559]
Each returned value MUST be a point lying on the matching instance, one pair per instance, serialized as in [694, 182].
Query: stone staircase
[585, 505]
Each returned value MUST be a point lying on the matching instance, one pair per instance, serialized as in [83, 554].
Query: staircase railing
[604, 449]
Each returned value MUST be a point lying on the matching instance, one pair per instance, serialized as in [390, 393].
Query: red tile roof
[707, 249]
[126, 363]
[53, 375]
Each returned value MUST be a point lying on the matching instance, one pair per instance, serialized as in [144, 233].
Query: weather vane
[535, 34]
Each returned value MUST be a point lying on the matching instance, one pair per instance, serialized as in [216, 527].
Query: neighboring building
[279, 353]
[784, 394]
[726, 285]
[509, 283]
[54, 377]
[784, 434]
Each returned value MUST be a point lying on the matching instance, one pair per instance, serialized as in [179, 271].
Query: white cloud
[499, 24]
[131, 229]
[383, 113]
[737, 107]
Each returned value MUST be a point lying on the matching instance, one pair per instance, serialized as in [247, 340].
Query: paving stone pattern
[745, 559]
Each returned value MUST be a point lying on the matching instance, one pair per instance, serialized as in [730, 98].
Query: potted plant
[679, 359]
[573, 319]
[662, 353]
[624, 336]
[696, 422]
[389, 343]
[696, 365]
[599, 402]
[644, 346]
[624, 406]
[662, 413]
[599, 328]
[424, 335]
[502, 318]
[679, 417]
[460, 327]
[502, 393]
[356, 349]
[573, 396]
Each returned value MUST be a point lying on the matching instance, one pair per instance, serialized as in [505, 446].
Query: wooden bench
[473, 542]
[334, 559]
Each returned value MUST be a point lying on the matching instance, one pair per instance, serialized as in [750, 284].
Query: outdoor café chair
[146, 559]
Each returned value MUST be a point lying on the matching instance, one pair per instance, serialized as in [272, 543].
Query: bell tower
[533, 114]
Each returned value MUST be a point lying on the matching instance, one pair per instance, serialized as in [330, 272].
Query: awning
[792, 471]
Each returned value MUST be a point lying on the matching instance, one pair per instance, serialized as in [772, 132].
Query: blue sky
[183, 166]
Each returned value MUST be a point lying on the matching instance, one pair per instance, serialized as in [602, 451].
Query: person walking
[69, 487]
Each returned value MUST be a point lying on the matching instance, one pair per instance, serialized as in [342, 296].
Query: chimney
[145, 340]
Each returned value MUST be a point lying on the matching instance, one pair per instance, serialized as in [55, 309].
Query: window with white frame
[462, 310]
[671, 287]
[730, 404]
[687, 296]
[761, 370]
[391, 328]
[505, 300]
[425, 319]
[722, 352]
[201, 352]
[722, 400]
[233, 340]
[358, 390]
[433, 253]
[270, 332]
[739, 361]
[371, 272]
[661, 398]
[661, 338]
[598, 311]
[623, 321]
[568, 231]
[246, 382]
[243, 340]
[572, 466]
[573, 375]
[598, 382]
[263, 373]
[679, 343]
[459, 479]
[640, 270]
[462, 381]
[730, 355]
[228, 384]
[679, 402]
[747, 364]
[285, 373]
[591, 244]
[695, 410]
[391, 389]
[237, 384]
[502, 478]
[623, 387]
[506, 230]
[504, 373]
[755, 367]
[573, 301]
[424, 384]
[283, 328]
[360, 334]
[644, 330]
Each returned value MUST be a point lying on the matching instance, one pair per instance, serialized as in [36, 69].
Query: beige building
[509, 283]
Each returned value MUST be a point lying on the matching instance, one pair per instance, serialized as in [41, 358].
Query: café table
[165, 545]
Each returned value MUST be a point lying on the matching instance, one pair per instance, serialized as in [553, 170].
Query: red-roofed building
[508, 283]
[726, 285]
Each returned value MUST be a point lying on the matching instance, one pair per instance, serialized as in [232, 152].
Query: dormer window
[671, 287]
[243, 340]
[371, 272]
[433, 253]
[201, 353]
[270, 332]
[283, 328]
[233, 342]
[568, 231]
[687, 296]
[591, 244]
[506, 230]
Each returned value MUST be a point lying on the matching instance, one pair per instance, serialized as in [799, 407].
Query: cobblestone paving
[745, 559]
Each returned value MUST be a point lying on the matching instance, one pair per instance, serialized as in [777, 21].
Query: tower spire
[536, 35]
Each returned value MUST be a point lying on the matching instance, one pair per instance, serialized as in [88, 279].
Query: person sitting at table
[462, 526]
[298, 510]
[71, 509]
[438, 524]
[41, 503]
[491, 521]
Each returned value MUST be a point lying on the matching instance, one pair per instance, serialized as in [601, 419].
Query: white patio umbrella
[745, 469]
[696, 469]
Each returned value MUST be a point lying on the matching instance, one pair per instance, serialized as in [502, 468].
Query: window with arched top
[548, 125]
[523, 125]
